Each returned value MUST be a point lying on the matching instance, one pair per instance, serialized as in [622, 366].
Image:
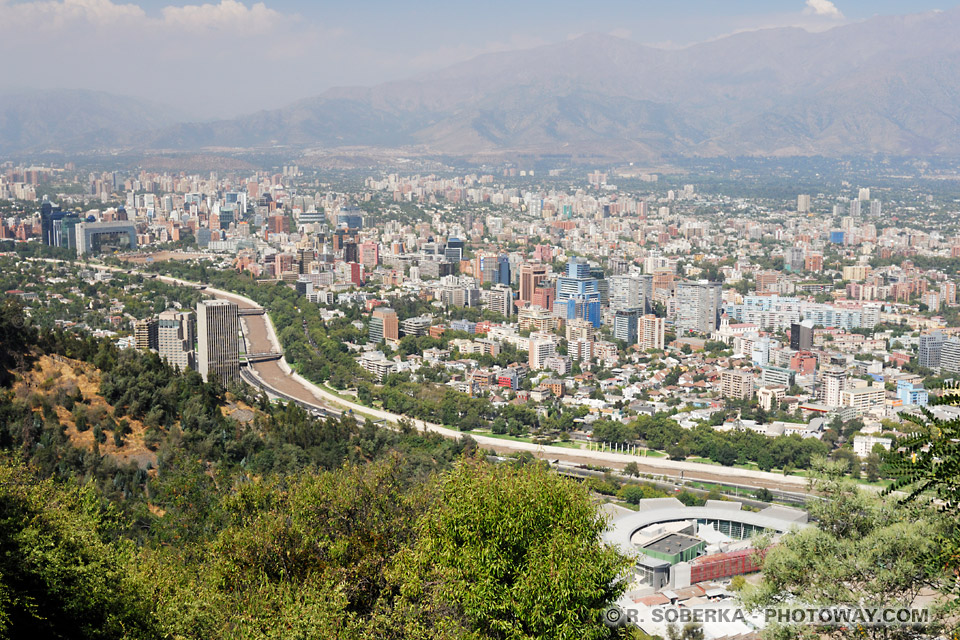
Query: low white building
[863, 445]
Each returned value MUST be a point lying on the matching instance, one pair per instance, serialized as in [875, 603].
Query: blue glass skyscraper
[578, 293]
[503, 270]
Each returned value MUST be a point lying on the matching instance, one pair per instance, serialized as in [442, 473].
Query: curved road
[261, 337]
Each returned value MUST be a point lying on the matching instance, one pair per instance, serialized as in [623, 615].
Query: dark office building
[454, 250]
[350, 217]
[351, 253]
[48, 214]
[503, 270]
[64, 233]
[801, 336]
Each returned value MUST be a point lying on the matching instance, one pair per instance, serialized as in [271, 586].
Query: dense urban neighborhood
[609, 311]
[707, 365]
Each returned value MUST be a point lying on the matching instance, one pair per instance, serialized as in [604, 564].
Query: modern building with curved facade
[672, 542]
[105, 237]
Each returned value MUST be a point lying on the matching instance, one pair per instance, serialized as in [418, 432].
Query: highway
[277, 377]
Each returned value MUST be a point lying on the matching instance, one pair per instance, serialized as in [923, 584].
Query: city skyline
[374, 321]
[705, 329]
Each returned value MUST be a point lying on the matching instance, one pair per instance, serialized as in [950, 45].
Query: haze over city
[500, 321]
[216, 60]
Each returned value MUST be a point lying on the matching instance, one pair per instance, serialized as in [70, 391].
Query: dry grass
[53, 376]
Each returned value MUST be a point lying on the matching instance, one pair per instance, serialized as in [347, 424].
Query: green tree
[490, 561]
[16, 336]
[689, 631]
[61, 573]
[763, 495]
[872, 467]
[928, 461]
[863, 551]
[632, 493]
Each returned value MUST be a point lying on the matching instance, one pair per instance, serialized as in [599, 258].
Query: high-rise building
[950, 356]
[767, 281]
[500, 299]
[539, 350]
[603, 285]
[356, 274]
[948, 293]
[278, 224]
[928, 350]
[48, 213]
[218, 341]
[351, 252]
[856, 272]
[580, 350]
[418, 326]
[578, 268]
[503, 270]
[803, 203]
[454, 250]
[630, 291]
[485, 267]
[63, 228]
[531, 275]
[646, 292]
[801, 335]
[384, 325]
[145, 334]
[175, 336]
[350, 217]
[793, 259]
[578, 295]
[579, 329]
[625, 323]
[650, 332]
[536, 319]
[833, 382]
[105, 237]
[698, 307]
[912, 393]
[813, 262]
[736, 384]
[369, 254]
[544, 297]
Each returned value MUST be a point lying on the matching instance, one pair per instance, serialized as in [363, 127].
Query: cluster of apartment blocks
[208, 342]
[691, 305]
[835, 390]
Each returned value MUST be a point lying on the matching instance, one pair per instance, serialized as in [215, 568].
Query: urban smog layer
[511, 321]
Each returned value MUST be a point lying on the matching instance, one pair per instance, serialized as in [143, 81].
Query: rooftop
[672, 544]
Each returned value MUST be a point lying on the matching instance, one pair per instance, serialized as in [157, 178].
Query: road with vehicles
[277, 378]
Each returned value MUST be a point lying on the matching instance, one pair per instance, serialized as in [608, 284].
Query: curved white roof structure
[663, 510]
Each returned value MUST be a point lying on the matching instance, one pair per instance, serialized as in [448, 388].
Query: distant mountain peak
[889, 84]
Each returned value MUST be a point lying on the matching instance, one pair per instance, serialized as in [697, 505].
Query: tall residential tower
[218, 340]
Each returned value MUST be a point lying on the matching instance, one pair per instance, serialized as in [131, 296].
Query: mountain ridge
[890, 84]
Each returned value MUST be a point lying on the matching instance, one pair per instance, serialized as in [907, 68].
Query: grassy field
[502, 436]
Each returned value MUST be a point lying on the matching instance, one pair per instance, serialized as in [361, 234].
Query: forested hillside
[279, 525]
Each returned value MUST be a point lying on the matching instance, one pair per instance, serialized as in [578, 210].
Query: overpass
[251, 312]
[261, 357]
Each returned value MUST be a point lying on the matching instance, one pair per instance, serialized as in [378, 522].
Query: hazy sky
[236, 57]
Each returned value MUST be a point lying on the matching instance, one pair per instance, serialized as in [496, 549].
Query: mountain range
[886, 85]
